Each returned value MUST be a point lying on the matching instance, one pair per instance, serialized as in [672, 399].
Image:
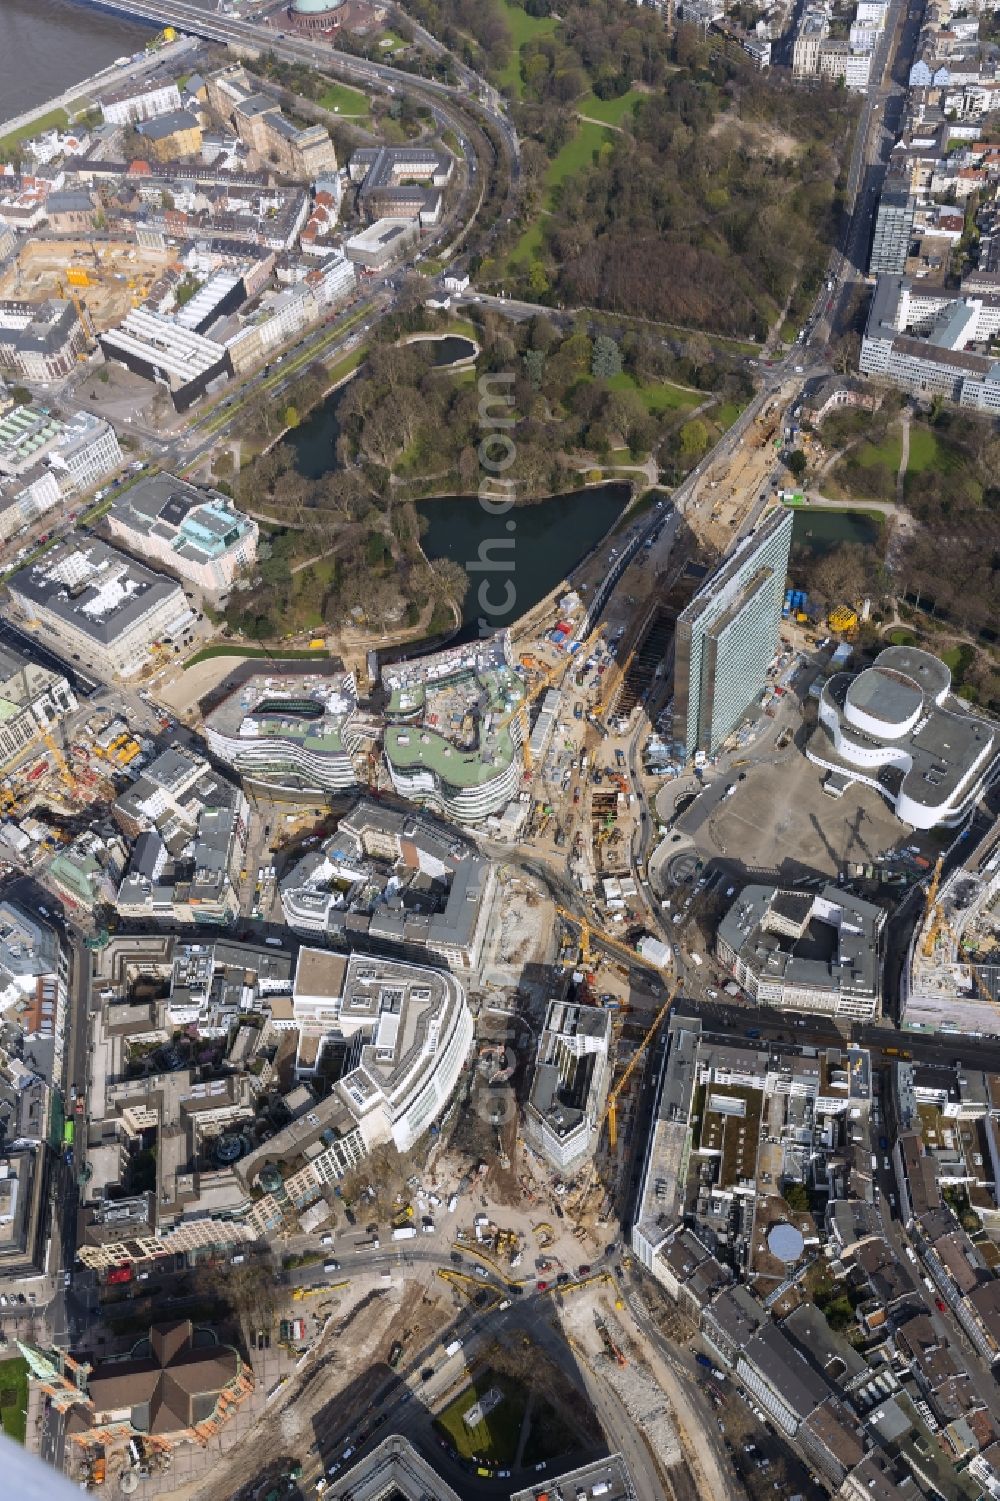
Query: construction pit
[106, 278]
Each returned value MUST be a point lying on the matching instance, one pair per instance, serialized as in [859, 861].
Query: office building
[28, 434]
[565, 1108]
[728, 635]
[395, 1035]
[100, 607]
[196, 534]
[896, 727]
[394, 1470]
[32, 698]
[893, 228]
[296, 733]
[402, 182]
[34, 980]
[306, 152]
[190, 828]
[23, 500]
[802, 951]
[918, 339]
[24, 1213]
[454, 729]
[398, 879]
[86, 453]
[407, 1031]
[382, 243]
[605, 1479]
[732, 1119]
[40, 341]
[161, 349]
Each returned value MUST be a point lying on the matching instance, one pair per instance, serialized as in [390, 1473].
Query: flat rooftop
[95, 589]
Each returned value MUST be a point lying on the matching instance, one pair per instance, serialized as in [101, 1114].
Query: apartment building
[727, 636]
[141, 101]
[197, 534]
[100, 607]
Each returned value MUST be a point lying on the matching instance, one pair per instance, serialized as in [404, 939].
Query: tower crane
[587, 928]
[932, 910]
[611, 1108]
[545, 681]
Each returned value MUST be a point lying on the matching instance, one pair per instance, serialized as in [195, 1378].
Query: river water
[46, 46]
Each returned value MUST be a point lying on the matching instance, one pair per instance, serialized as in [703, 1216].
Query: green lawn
[902, 638]
[727, 414]
[659, 396]
[56, 118]
[343, 100]
[888, 452]
[576, 154]
[14, 1398]
[233, 649]
[925, 451]
[611, 111]
[523, 28]
[494, 1439]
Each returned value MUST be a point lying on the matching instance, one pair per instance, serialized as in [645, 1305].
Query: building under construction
[565, 1109]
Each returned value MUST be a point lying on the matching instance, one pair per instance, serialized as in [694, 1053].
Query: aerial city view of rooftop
[500, 750]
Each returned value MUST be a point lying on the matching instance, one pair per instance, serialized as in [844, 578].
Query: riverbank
[59, 111]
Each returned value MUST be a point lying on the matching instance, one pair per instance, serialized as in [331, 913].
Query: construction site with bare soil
[104, 278]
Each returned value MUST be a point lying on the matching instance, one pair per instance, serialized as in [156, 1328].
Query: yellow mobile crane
[611, 1108]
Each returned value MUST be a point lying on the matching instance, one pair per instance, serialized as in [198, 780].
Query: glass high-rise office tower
[727, 637]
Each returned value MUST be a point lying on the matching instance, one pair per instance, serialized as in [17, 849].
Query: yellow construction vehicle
[843, 619]
[611, 1108]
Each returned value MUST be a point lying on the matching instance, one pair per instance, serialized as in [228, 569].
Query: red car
[940, 1305]
[543, 1287]
[584, 1270]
